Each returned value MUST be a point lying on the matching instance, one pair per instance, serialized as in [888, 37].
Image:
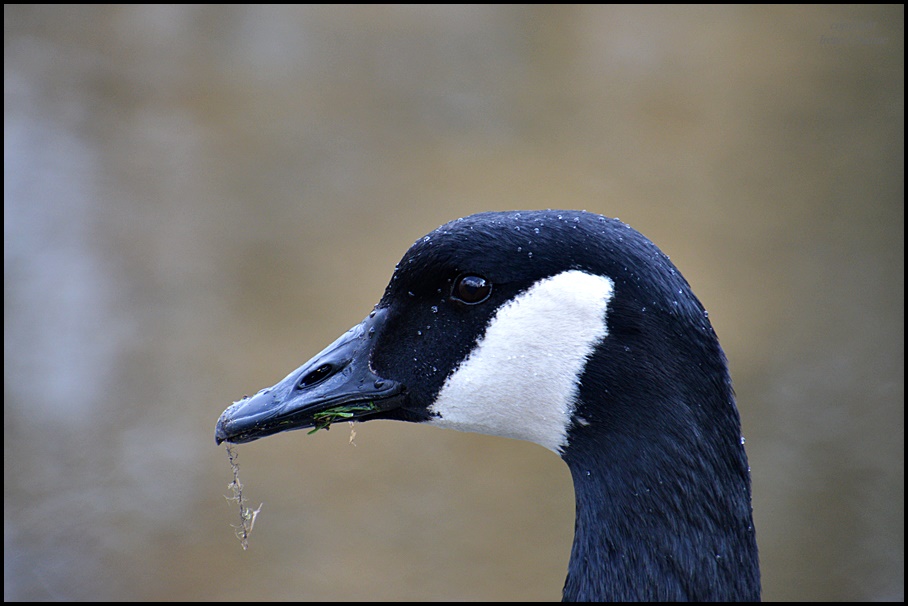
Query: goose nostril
[319, 374]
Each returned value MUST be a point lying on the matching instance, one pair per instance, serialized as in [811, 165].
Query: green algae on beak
[331, 415]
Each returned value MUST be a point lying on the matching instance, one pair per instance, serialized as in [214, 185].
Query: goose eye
[471, 289]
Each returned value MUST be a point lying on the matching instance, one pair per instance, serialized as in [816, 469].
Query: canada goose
[576, 332]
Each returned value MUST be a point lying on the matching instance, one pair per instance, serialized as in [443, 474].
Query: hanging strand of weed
[247, 515]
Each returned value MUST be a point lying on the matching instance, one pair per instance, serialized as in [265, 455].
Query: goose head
[573, 331]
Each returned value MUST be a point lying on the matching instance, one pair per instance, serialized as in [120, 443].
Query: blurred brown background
[198, 199]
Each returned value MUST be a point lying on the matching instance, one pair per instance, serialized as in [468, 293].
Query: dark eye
[471, 289]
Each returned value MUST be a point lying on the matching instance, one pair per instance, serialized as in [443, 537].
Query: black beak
[336, 385]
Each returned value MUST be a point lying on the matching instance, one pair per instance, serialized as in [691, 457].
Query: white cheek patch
[522, 378]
